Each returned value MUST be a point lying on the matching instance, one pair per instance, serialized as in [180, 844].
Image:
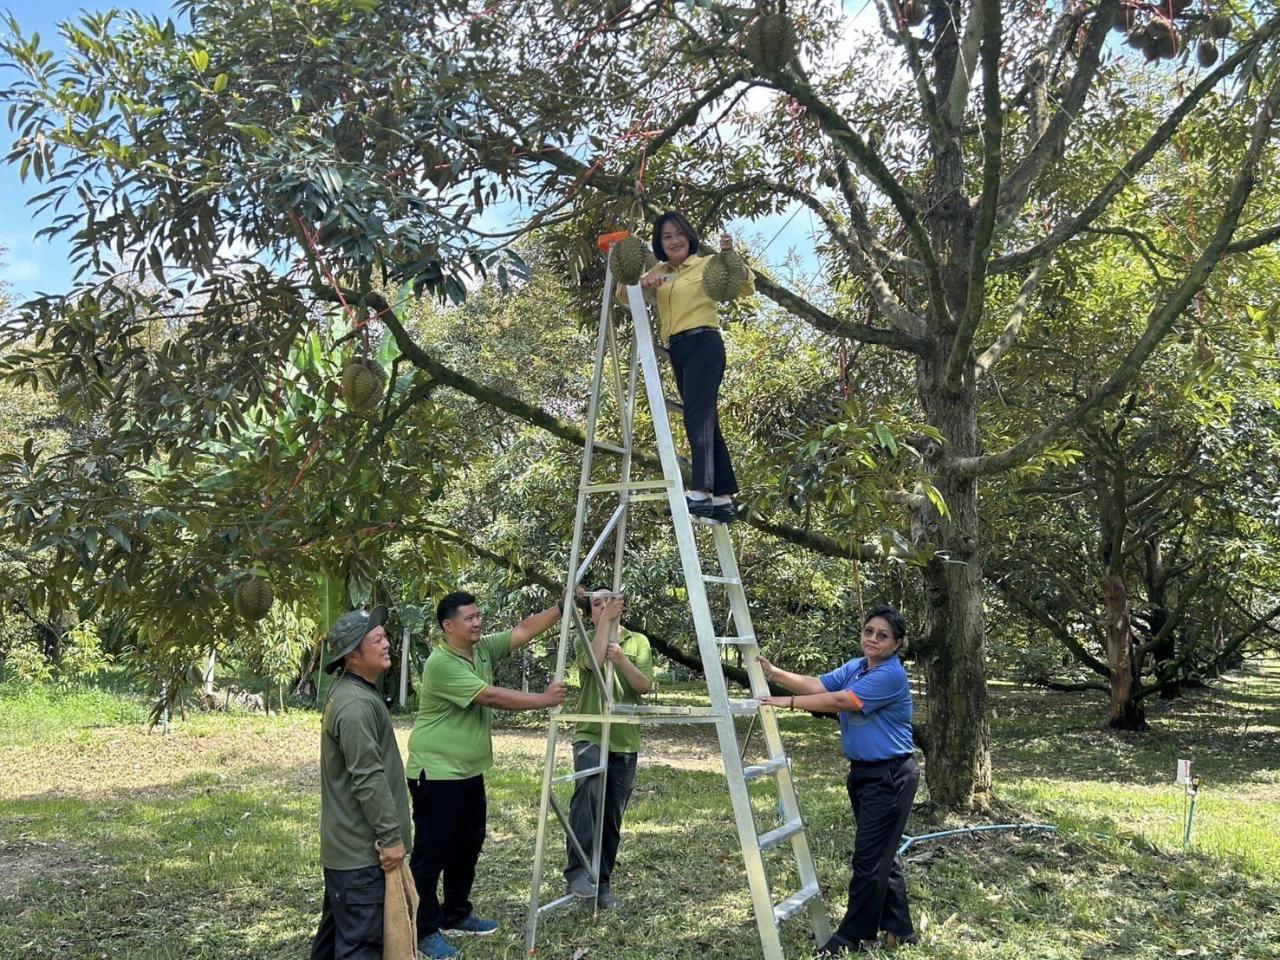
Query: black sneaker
[724, 513]
[699, 510]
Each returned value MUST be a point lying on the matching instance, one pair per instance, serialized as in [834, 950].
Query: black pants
[881, 795]
[351, 918]
[697, 358]
[448, 833]
[619, 779]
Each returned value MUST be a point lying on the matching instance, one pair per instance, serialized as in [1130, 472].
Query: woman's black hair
[685, 227]
[894, 618]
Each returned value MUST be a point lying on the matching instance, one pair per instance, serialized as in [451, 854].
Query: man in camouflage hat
[364, 807]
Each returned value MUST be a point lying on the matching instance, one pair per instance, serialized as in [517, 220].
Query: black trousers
[448, 833]
[697, 359]
[881, 795]
[619, 779]
[351, 918]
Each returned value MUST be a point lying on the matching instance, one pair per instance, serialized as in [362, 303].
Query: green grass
[117, 841]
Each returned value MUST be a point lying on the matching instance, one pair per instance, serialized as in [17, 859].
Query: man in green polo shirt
[364, 809]
[628, 653]
[450, 748]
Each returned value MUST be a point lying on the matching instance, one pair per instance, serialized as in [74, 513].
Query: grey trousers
[619, 780]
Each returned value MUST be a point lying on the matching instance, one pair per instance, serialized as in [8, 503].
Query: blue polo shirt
[877, 725]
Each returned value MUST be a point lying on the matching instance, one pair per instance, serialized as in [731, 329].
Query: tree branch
[1138, 160]
[886, 301]
[1049, 145]
[1161, 319]
[958, 361]
[845, 329]
[847, 140]
[1013, 326]
[1028, 606]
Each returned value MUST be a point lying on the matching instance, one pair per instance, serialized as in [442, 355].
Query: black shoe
[699, 510]
[724, 513]
[837, 946]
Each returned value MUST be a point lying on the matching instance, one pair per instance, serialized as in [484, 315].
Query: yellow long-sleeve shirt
[682, 303]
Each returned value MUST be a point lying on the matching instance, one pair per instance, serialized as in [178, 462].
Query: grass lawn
[119, 842]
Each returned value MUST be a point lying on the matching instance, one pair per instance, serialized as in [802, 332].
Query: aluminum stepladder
[642, 366]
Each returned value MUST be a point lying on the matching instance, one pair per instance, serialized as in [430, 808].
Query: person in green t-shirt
[364, 808]
[450, 748]
[628, 654]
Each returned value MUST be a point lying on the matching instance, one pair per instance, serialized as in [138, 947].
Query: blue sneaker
[436, 947]
[473, 925]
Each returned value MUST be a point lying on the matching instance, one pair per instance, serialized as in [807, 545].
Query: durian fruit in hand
[627, 260]
[362, 385]
[771, 43]
[253, 598]
[722, 276]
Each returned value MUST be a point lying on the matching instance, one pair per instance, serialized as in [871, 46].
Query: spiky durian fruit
[1219, 27]
[722, 276]
[362, 385]
[253, 598]
[627, 260]
[771, 43]
[1207, 53]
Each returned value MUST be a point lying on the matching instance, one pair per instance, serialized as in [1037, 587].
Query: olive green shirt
[363, 797]
[623, 737]
[452, 738]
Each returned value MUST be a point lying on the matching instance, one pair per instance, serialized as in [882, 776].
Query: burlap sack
[400, 916]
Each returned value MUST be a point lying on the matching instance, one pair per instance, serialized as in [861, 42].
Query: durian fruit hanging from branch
[627, 260]
[362, 385]
[722, 276]
[1162, 31]
[771, 43]
[253, 598]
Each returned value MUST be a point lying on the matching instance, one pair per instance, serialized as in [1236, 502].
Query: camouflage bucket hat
[347, 632]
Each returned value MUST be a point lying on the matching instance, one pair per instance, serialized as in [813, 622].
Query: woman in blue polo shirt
[873, 699]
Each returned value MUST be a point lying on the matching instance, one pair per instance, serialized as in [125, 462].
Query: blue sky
[28, 265]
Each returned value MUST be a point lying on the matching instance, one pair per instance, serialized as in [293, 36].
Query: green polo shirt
[623, 737]
[452, 738]
[362, 790]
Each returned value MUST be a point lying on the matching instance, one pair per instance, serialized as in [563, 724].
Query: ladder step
[728, 581]
[628, 485]
[601, 445]
[783, 833]
[744, 708]
[759, 770]
[578, 775]
[733, 641]
[789, 907]
[559, 902]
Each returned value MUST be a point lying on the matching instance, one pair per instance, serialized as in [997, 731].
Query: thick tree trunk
[1164, 652]
[1126, 710]
[952, 645]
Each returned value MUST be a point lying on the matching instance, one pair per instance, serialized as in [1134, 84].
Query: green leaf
[200, 59]
[220, 82]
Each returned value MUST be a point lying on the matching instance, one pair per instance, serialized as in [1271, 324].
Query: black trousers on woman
[697, 357]
[881, 794]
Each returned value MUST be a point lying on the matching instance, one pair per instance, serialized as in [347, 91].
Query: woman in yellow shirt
[690, 328]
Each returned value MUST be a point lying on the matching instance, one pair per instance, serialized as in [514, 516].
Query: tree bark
[952, 644]
[1126, 709]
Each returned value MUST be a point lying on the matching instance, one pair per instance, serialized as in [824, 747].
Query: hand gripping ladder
[642, 365]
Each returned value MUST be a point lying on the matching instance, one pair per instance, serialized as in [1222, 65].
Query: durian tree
[929, 153]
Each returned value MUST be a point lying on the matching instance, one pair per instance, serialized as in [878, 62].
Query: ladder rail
[566, 623]
[704, 628]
